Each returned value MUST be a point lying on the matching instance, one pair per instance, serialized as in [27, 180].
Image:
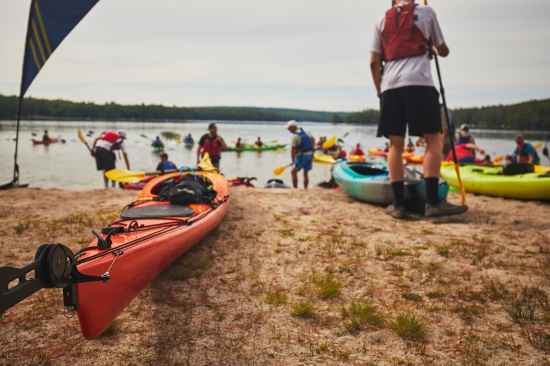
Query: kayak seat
[518, 168]
[156, 212]
[367, 170]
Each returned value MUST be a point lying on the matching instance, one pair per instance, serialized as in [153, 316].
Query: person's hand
[482, 152]
[198, 161]
[93, 154]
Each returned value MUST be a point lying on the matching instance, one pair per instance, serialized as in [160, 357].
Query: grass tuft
[275, 298]
[327, 285]
[412, 296]
[303, 309]
[359, 314]
[409, 327]
[112, 328]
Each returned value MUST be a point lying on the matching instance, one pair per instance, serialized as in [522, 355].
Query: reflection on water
[70, 165]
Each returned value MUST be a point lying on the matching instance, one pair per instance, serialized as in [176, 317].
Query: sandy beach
[295, 277]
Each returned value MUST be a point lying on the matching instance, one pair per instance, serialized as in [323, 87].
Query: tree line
[531, 115]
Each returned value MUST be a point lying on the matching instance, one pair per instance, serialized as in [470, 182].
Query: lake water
[70, 166]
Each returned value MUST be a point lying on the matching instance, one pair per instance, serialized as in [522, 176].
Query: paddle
[128, 176]
[498, 159]
[545, 153]
[281, 169]
[32, 133]
[142, 135]
[206, 164]
[332, 141]
[83, 139]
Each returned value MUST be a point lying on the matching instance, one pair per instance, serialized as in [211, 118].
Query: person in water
[102, 149]
[303, 144]
[239, 143]
[212, 144]
[358, 150]
[165, 164]
[524, 152]
[46, 136]
[387, 148]
[410, 144]
[259, 142]
[157, 143]
[188, 139]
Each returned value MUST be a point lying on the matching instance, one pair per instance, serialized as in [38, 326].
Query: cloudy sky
[308, 54]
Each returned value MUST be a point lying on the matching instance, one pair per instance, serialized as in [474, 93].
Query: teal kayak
[370, 182]
[256, 148]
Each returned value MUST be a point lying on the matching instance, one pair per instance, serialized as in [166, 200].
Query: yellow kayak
[327, 159]
[493, 181]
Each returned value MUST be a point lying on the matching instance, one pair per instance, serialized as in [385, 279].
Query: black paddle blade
[545, 152]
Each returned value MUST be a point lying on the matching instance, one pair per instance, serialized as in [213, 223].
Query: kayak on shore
[102, 279]
[370, 182]
[47, 142]
[519, 181]
[327, 159]
[275, 183]
[256, 148]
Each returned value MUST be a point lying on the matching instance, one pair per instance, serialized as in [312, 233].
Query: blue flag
[50, 21]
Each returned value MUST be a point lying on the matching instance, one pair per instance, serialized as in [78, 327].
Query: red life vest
[113, 138]
[211, 147]
[461, 152]
[401, 38]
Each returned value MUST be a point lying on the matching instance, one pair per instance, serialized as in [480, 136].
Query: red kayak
[46, 142]
[139, 185]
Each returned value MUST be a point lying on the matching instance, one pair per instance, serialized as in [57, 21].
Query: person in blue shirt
[165, 164]
[524, 153]
[303, 144]
[188, 139]
[157, 143]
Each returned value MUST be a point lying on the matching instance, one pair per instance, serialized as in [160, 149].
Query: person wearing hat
[524, 153]
[303, 144]
[404, 39]
[464, 136]
[212, 144]
[102, 149]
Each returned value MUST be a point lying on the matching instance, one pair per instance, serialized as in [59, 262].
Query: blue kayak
[370, 182]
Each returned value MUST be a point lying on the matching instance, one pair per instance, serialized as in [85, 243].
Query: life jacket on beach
[401, 38]
[114, 138]
[523, 155]
[211, 146]
[306, 143]
[461, 152]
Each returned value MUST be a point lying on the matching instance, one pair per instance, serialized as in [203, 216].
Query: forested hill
[44, 109]
[531, 115]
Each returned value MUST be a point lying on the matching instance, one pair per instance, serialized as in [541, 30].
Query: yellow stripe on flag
[37, 37]
[42, 28]
[31, 44]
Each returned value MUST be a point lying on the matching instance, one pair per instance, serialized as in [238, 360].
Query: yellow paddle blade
[537, 145]
[177, 141]
[124, 176]
[206, 163]
[498, 159]
[273, 141]
[330, 142]
[279, 170]
[81, 136]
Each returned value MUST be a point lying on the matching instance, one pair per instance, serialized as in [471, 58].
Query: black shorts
[415, 106]
[215, 161]
[104, 159]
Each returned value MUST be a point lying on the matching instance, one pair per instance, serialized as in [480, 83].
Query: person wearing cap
[103, 149]
[524, 153]
[212, 144]
[464, 136]
[303, 144]
[404, 39]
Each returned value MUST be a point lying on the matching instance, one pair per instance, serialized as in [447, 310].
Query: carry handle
[188, 168]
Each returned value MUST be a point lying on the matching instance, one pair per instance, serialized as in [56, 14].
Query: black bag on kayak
[187, 191]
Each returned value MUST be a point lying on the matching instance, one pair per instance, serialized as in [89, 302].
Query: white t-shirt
[411, 70]
[107, 145]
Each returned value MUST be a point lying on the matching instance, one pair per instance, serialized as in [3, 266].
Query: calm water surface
[70, 166]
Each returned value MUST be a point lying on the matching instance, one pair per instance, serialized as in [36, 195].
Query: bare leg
[294, 173]
[395, 158]
[433, 156]
[306, 179]
[105, 179]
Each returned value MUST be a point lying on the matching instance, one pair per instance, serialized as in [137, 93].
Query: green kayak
[158, 149]
[188, 144]
[256, 148]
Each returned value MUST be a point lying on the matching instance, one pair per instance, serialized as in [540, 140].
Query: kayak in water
[519, 181]
[370, 182]
[157, 149]
[46, 142]
[356, 158]
[100, 280]
[256, 148]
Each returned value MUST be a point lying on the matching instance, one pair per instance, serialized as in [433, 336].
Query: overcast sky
[307, 54]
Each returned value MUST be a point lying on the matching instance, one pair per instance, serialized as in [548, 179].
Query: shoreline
[242, 294]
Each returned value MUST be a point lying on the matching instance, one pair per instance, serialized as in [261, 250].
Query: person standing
[403, 40]
[103, 150]
[303, 144]
[212, 144]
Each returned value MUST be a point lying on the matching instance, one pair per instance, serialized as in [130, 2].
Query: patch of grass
[427, 230]
[275, 298]
[323, 348]
[412, 296]
[303, 309]
[443, 251]
[435, 295]
[474, 354]
[21, 227]
[409, 326]
[112, 328]
[327, 285]
[286, 233]
[524, 303]
[192, 266]
[343, 354]
[359, 314]
[539, 339]
[466, 311]
[304, 239]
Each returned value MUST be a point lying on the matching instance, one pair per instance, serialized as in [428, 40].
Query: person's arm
[222, 143]
[476, 148]
[199, 153]
[293, 154]
[375, 71]
[126, 160]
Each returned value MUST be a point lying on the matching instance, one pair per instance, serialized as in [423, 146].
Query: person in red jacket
[103, 150]
[212, 144]
[358, 150]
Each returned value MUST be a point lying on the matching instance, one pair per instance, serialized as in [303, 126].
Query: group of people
[239, 143]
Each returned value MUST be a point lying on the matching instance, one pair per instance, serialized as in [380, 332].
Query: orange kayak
[152, 235]
[354, 158]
